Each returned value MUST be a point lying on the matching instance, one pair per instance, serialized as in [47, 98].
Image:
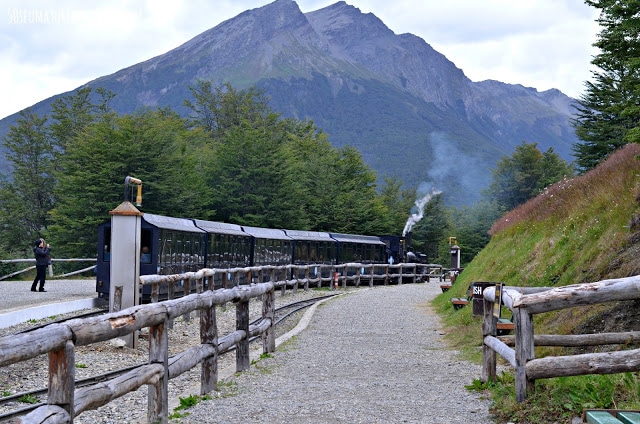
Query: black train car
[312, 247]
[269, 246]
[168, 246]
[227, 245]
[358, 248]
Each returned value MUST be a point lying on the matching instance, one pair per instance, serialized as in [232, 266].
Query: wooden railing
[525, 303]
[80, 271]
[59, 340]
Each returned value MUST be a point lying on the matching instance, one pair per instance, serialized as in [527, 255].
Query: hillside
[410, 111]
[580, 230]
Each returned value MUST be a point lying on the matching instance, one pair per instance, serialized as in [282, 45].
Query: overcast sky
[48, 47]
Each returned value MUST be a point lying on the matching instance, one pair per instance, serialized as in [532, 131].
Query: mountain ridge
[409, 110]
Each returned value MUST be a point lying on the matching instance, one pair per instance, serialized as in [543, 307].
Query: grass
[561, 399]
[186, 403]
[579, 230]
[28, 399]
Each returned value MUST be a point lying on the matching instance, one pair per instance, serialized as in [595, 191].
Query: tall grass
[613, 181]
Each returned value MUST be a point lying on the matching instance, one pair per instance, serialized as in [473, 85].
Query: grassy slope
[580, 230]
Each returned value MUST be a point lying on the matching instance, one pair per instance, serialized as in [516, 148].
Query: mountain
[408, 109]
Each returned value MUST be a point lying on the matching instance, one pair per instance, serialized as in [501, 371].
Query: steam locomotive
[176, 245]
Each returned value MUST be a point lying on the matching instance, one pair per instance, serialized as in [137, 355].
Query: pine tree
[609, 111]
[26, 198]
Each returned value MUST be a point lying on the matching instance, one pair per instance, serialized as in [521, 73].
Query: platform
[19, 304]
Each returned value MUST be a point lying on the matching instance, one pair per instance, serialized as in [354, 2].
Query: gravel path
[373, 356]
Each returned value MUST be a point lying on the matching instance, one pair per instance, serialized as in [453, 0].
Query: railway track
[281, 314]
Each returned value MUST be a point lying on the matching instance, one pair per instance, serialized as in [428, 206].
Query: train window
[147, 244]
[106, 253]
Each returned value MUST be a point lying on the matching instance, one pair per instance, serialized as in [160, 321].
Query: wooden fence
[525, 303]
[59, 340]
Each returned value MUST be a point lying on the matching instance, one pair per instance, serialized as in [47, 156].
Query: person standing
[41, 252]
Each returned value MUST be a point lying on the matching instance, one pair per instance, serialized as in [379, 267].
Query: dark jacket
[41, 254]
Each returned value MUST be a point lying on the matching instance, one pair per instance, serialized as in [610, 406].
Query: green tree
[470, 226]
[609, 112]
[356, 208]
[223, 108]
[26, 197]
[398, 202]
[144, 145]
[524, 175]
[72, 114]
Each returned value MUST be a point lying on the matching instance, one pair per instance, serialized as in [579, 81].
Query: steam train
[176, 245]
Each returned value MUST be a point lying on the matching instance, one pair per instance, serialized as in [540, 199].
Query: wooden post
[358, 273]
[386, 275]
[187, 291]
[306, 278]
[171, 291]
[242, 349]
[400, 273]
[62, 378]
[373, 269]
[155, 292]
[158, 394]
[209, 335]
[523, 328]
[488, 354]
[268, 312]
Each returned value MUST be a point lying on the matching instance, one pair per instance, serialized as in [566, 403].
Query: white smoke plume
[421, 202]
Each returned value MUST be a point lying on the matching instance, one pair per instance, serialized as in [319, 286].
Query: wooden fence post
[187, 291]
[523, 328]
[488, 354]
[242, 348]
[62, 372]
[158, 395]
[306, 278]
[209, 335]
[268, 312]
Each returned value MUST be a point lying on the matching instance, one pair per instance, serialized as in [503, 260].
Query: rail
[59, 340]
[525, 303]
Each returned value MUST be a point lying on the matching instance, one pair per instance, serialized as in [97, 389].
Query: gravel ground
[372, 356]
